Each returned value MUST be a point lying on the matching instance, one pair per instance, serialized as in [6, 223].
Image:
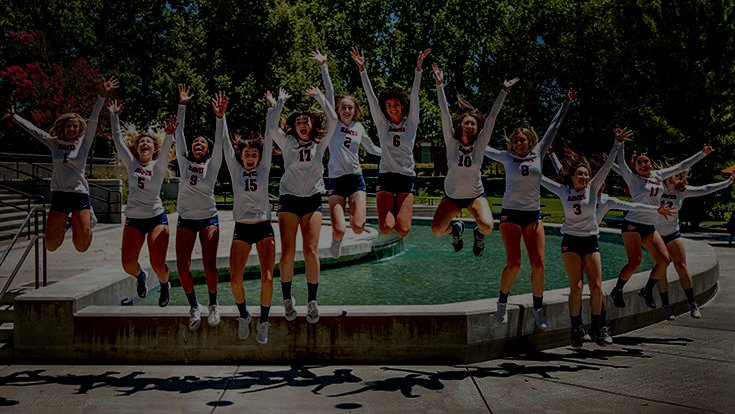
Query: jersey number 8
[524, 170]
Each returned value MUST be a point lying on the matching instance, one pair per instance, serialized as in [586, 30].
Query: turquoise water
[427, 272]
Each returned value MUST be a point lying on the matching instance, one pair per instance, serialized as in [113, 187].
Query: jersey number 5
[141, 183]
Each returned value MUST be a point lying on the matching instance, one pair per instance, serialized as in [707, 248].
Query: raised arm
[123, 152]
[184, 97]
[702, 190]
[487, 131]
[275, 108]
[447, 127]
[556, 162]
[328, 109]
[614, 203]
[550, 134]
[380, 122]
[107, 86]
[687, 163]
[170, 127]
[413, 111]
[495, 154]
[35, 131]
[321, 59]
[621, 135]
[622, 165]
[221, 134]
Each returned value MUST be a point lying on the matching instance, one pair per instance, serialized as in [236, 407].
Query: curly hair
[394, 93]
[132, 138]
[317, 122]
[253, 140]
[190, 150]
[57, 130]
[528, 132]
[470, 111]
[358, 109]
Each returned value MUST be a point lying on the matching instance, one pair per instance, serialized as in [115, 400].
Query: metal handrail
[109, 199]
[34, 243]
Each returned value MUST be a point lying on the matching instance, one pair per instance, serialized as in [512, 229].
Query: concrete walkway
[684, 366]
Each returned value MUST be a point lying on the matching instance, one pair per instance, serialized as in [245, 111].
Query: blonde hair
[528, 132]
[132, 138]
[57, 130]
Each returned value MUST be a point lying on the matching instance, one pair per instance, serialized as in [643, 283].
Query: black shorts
[252, 233]
[301, 206]
[519, 217]
[582, 246]
[346, 185]
[197, 225]
[463, 202]
[671, 237]
[644, 230]
[67, 202]
[395, 183]
[145, 225]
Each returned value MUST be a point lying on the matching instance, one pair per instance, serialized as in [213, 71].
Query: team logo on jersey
[66, 147]
[195, 169]
[396, 129]
[348, 131]
[466, 150]
[143, 172]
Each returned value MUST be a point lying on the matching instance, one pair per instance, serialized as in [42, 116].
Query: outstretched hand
[509, 83]
[184, 94]
[115, 107]
[571, 94]
[358, 57]
[282, 94]
[171, 124]
[318, 57]
[708, 149]
[438, 74]
[420, 59]
[269, 99]
[109, 84]
[10, 112]
[667, 212]
[623, 134]
[219, 104]
[313, 91]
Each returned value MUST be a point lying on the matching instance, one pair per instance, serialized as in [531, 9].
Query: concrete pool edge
[80, 320]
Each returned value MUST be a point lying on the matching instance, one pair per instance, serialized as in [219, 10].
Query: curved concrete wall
[80, 319]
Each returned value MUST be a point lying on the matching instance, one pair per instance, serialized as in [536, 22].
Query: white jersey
[344, 146]
[302, 160]
[580, 207]
[648, 190]
[605, 202]
[675, 199]
[523, 174]
[251, 187]
[396, 140]
[68, 158]
[144, 181]
[197, 180]
[464, 178]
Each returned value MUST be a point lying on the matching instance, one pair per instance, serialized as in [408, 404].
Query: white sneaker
[262, 332]
[243, 327]
[195, 318]
[605, 334]
[289, 309]
[336, 248]
[501, 315]
[312, 312]
[93, 221]
[540, 319]
[694, 310]
[668, 314]
[213, 318]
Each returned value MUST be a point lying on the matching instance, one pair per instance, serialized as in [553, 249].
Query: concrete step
[6, 352]
[10, 295]
[7, 313]
[6, 333]
[4, 208]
